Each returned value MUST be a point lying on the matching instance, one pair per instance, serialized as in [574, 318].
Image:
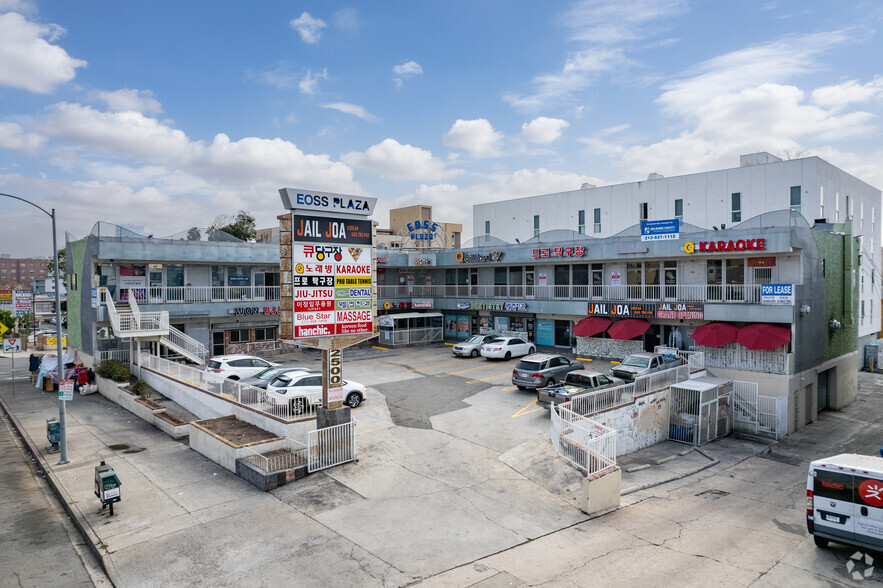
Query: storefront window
[239, 280]
[633, 279]
[175, 283]
[239, 336]
[714, 279]
[735, 279]
[516, 277]
[580, 280]
[562, 281]
[501, 279]
[651, 279]
[265, 334]
[218, 282]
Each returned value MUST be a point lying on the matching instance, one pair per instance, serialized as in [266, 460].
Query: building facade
[224, 294]
[21, 272]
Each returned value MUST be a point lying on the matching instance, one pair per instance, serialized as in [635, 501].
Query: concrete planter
[117, 394]
[224, 452]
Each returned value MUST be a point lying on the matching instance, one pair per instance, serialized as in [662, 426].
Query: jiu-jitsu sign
[331, 277]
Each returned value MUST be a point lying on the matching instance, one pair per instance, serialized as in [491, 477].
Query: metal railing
[292, 409]
[742, 293]
[734, 356]
[126, 323]
[583, 442]
[185, 343]
[331, 446]
[291, 455]
[118, 354]
[694, 359]
[193, 294]
[661, 380]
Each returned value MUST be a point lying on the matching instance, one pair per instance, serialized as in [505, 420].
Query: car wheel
[531, 350]
[549, 382]
[508, 356]
[353, 400]
[820, 541]
[298, 405]
[474, 353]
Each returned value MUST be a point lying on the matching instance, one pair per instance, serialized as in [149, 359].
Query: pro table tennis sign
[12, 345]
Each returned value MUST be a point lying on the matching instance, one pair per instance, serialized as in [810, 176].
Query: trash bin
[871, 355]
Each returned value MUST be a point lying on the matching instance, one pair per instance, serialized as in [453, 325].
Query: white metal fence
[411, 336]
[186, 343]
[754, 414]
[290, 409]
[736, 357]
[661, 380]
[694, 359]
[331, 446]
[291, 455]
[583, 442]
[597, 401]
[118, 354]
[745, 406]
[189, 294]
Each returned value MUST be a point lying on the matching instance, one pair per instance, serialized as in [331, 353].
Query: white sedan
[507, 348]
[301, 390]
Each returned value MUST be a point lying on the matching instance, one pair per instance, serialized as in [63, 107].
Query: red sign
[313, 305]
[721, 246]
[558, 252]
[871, 492]
[325, 330]
[354, 328]
[761, 261]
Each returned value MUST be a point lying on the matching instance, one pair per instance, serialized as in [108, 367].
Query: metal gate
[745, 406]
[331, 446]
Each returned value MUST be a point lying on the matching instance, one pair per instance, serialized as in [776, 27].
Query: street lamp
[61, 406]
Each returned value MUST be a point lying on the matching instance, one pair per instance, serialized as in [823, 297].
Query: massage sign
[331, 276]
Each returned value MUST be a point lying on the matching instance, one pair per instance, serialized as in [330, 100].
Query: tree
[62, 262]
[25, 324]
[242, 226]
[194, 234]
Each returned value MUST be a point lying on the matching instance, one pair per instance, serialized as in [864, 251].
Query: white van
[844, 500]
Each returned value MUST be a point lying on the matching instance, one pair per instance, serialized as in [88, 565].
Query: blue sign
[660, 230]
[776, 294]
[545, 332]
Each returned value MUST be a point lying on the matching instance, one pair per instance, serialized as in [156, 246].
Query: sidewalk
[420, 506]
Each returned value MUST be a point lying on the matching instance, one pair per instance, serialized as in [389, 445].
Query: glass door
[218, 343]
[155, 291]
[529, 281]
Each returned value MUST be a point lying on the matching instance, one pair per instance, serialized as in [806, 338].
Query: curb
[63, 497]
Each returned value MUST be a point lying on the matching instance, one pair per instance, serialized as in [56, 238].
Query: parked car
[263, 378]
[471, 347]
[641, 364]
[237, 367]
[542, 369]
[506, 348]
[303, 389]
[576, 382]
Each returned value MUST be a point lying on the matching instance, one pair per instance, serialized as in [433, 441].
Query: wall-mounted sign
[558, 252]
[761, 262]
[660, 230]
[254, 310]
[663, 310]
[422, 230]
[297, 199]
[421, 303]
[478, 257]
[321, 229]
[777, 294]
[421, 260]
[509, 306]
[722, 246]
[383, 259]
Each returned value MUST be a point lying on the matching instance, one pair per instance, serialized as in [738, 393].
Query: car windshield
[475, 339]
[633, 361]
[267, 374]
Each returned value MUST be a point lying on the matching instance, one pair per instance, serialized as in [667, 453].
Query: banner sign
[662, 310]
[328, 202]
[660, 230]
[777, 294]
[321, 229]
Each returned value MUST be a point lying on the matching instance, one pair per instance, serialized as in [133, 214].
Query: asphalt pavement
[477, 498]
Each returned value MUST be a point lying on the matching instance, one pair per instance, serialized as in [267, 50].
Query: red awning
[628, 329]
[591, 326]
[715, 334]
[763, 336]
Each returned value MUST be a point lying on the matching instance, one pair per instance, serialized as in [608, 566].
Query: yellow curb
[380, 348]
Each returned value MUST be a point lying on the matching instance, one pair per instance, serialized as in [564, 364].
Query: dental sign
[725, 246]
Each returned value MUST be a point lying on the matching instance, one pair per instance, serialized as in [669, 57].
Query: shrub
[113, 369]
[141, 389]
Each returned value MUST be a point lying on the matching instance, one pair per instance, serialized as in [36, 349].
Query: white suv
[237, 367]
[301, 390]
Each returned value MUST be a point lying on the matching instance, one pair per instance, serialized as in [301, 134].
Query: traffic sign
[3, 328]
[66, 390]
[11, 345]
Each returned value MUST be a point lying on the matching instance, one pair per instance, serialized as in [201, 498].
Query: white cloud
[309, 28]
[476, 136]
[391, 159]
[146, 140]
[279, 75]
[774, 62]
[353, 109]
[128, 99]
[20, 6]
[347, 20]
[841, 95]
[14, 138]
[543, 130]
[310, 82]
[28, 61]
[405, 71]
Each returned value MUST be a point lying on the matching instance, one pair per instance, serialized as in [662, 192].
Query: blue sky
[167, 114]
